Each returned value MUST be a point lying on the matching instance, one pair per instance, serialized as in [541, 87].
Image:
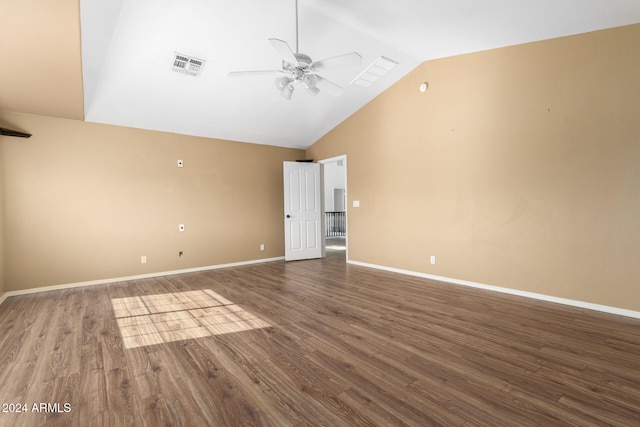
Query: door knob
[288, 216]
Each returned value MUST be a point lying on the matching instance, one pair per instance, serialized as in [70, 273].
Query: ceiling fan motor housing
[300, 72]
[303, 60]
[301, 68]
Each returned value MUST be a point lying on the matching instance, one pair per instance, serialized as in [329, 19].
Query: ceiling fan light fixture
[287, 91]
[282, 82]
[311, 80]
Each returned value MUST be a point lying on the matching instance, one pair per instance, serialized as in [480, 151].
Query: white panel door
[302, 211]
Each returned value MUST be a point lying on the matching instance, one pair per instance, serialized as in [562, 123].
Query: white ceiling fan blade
[330, 87]
[253, 73]
[284, 50]
[353, 58]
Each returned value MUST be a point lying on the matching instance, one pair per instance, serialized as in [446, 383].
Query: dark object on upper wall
[9, 132]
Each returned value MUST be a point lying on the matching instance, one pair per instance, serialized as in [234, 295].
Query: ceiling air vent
[373, 72]
[187, 64]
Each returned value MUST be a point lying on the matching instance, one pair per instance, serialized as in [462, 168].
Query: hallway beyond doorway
[338, 243]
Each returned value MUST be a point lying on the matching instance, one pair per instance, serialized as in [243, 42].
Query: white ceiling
[128, 48]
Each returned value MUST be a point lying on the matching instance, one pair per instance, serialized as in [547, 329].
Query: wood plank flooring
[330, 344]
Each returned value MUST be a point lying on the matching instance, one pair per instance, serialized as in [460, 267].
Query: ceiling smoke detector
[187, 64]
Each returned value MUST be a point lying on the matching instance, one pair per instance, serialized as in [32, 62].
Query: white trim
[136, 277]
[333, 159]
[565, 301]
[542, 297]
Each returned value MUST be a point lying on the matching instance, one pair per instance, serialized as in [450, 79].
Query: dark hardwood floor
[311, 343]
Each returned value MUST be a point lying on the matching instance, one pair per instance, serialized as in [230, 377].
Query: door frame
[322, 162]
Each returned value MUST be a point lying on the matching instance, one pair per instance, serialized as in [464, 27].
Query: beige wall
[85, 201]
[519, 168]
[2, 180]
[42, 72]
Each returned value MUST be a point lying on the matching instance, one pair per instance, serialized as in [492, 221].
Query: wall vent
[373, 72]
[187, 64]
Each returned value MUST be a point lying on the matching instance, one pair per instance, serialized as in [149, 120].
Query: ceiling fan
[299, 69]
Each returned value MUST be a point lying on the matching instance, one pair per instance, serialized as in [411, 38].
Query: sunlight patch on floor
[155, 319]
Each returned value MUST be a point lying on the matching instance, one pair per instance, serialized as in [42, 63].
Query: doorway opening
[335, 205]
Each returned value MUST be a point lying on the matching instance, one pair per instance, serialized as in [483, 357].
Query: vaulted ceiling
[110, 61]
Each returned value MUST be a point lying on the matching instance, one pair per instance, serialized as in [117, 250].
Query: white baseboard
[136, 277]
[565, 301]
[574, 303]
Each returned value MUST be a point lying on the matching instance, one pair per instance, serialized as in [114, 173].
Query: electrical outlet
[143, 259]
[262, 246]
[181, 228]
[432, 259]
[180, 163]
